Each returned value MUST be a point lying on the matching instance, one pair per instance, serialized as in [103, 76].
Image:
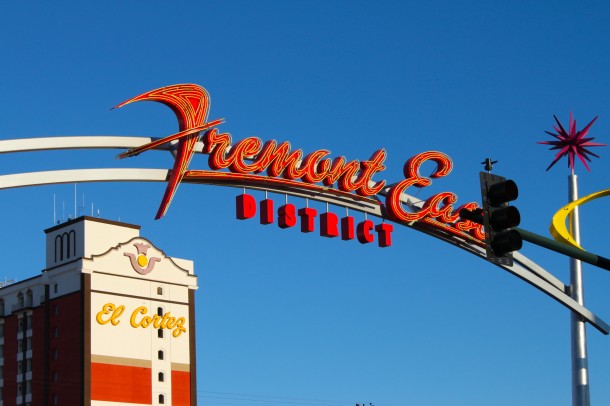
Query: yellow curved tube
[558, 227]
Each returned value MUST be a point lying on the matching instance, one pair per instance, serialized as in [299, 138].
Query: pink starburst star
[572, 143]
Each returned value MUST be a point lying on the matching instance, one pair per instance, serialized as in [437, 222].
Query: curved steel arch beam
[75, 142]
[82, 175]
[80, 142]
[523, 268]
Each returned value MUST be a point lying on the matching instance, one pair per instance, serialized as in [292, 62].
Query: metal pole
[565, 249]
[580, 367]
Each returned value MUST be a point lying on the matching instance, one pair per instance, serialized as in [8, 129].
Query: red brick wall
[9, 390]
[66, 315]
[39, 337]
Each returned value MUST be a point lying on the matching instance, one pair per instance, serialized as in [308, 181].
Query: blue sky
[291, 318]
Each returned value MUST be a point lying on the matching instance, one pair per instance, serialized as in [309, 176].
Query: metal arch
[523, 267]
[76, 142]
[82, 175]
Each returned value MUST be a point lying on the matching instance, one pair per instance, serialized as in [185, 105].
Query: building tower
[110, 321]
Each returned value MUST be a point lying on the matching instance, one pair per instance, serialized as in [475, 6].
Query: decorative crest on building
[141, 263]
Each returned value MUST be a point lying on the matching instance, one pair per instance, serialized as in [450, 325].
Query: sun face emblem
[141, 263]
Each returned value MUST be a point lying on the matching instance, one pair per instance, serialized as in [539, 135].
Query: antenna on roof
[81, 209]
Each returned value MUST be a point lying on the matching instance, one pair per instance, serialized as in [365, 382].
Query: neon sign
[190, 104]
[279, 161]
[250, 161]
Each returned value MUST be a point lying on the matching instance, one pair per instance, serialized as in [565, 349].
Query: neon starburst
[572, 143]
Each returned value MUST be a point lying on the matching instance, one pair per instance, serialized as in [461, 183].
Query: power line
[269, 399]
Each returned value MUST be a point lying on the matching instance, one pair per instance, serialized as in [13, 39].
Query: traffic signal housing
[499, 218]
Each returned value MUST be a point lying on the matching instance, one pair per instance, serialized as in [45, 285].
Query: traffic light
[499, 218]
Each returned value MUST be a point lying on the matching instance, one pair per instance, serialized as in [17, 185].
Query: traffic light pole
[580, 367]
[578, 336]
[565, 249]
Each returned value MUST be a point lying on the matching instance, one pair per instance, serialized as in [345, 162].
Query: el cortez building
[110, 321]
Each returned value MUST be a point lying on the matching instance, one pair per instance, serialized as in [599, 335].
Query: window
[159, 290]
[29, 298]
[55, 376]
[160, 354]
[160, 333]
[161, 377]
[56, 399]
[28, 344]
[55, 354]
[59, 248]
[56, 309]
[28, 322]
[161, 399]
[65, 245]
[55, 288]
[159, 311]
[56, 332]
[71, 243]
[28, 365]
